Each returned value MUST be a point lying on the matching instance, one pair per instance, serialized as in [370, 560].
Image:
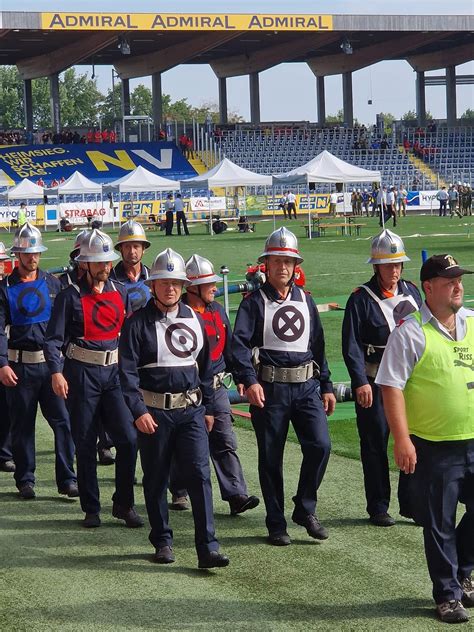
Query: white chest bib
[395, 308]
[179, 340]
[286, 325]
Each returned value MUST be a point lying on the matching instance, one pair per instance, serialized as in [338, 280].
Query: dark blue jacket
[138, 292]
[364, 325]
[67, 323]
[29, 337]
[248, 333]
[139, 347]
[67, 278]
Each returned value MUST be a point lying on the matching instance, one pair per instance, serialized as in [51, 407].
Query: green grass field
[54, 575]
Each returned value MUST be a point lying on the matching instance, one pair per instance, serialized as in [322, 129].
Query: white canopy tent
[76, 184]
[139, 180]
[25, 190]
[225, 174]
[325, 167]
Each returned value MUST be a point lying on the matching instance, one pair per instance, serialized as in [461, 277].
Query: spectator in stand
[402, 201]
[442, 196]
[189, 148]
[182, 143]
[415, 184]
[112, 136]
[406, 145]
[76, 139]
[162, 135]
[105, 136]
[97, 137]
[40, 182]
[54, 183]
[90, 136]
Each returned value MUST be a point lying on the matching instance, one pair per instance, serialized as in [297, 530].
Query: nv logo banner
[102, 163]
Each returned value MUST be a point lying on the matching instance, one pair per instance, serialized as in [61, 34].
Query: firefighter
[289, 381]
[222, 441]
[167, 381]
[372, 312]
[85, 326]
[27, 296]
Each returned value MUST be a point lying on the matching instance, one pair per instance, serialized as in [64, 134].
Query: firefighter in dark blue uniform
[6, 459]
[280, 322]
[166, 376]
[79, 269]
[85, 326]
[372, 311]
[26, 299]
[222, 441]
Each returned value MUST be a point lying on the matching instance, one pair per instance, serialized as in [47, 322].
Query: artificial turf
[54, 575]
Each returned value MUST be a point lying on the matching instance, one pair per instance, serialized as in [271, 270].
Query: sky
[288, 91]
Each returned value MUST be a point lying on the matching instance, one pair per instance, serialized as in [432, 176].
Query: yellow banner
[185, 22]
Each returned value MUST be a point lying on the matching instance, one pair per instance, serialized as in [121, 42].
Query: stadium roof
[233, 44]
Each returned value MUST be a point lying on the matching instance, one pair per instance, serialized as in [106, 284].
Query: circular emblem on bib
[105, 315]
[30, 302]
[402, 310]
[288, 324]
[181, 340]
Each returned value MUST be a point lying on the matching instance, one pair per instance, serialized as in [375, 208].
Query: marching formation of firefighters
[138, 357]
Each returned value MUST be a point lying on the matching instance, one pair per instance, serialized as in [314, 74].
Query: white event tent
[76, 184]
[225, 174]
[24, 190]
[325, 167]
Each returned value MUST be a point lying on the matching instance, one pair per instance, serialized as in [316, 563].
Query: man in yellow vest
[427, 381]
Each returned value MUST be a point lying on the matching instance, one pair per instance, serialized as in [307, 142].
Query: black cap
[444, 266]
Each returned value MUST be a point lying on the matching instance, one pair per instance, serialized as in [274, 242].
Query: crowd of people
[457, 199]
[152, 348]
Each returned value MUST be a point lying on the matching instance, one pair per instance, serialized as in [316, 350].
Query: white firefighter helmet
[387, 247]
[97, 247]
[200, 270]
[132, 231]
[168, 265]
[80, 237]
[3, 252]
[28, 240]
[283, 243]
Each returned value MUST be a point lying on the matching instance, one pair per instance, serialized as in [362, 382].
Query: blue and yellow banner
[102, 163]
[185, 22]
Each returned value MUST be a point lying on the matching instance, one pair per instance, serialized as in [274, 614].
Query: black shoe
[452, 612]
[240, 503]
[408, 515]
[7, 466]
[179, 503]
[164, 555]
[105, 456]
[279, 539]
[382, 520]
[132, 519]
[27, 491]
[71, 490]
[313, 527]
[91, 521]
[468, 592]
[213, 559]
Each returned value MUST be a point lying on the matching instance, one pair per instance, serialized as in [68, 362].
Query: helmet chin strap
[198, 294]
[161, 305]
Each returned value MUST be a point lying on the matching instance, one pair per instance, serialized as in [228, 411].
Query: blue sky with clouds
[288, 91]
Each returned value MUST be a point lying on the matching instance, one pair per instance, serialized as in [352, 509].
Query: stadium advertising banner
[423, 199]
[102, 163]
[34, 214]
[185, 22]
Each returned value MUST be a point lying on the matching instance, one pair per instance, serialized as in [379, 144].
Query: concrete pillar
[28, 105]
[157, 103]
[451, 109]
[54, 100]
[420, 99]
[254, 98]
[321, 101]
[347, 101]
[125, 101]
[222, 100]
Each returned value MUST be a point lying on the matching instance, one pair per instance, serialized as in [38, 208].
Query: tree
[79, 99]
[335, 119]
[468, 115]
[11, 98]
[411, 116]
[141, 101]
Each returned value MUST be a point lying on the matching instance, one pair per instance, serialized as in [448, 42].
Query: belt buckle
[168, 399]
[108, 358]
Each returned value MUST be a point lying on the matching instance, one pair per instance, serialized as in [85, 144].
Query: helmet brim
[376, 262]
[145, 242]
[28, 251]
[99, 258]
[167, 275]
[293, 255]
[215, 278]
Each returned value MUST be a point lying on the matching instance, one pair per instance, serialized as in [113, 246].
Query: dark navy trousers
[5, 437]
[223, 449]
[444, 477]
[33, 388]
[92, 388]
[301, 404]
[373, 434]
[181, 434]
